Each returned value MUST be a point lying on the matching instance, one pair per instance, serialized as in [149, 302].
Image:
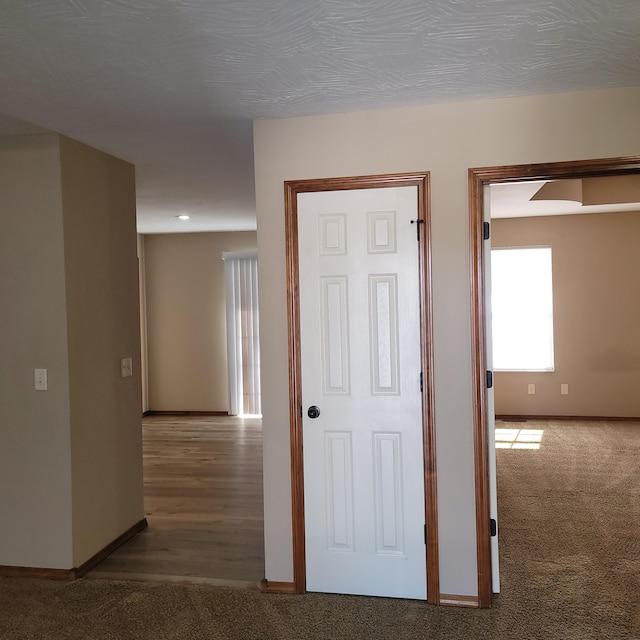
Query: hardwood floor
[203, 503]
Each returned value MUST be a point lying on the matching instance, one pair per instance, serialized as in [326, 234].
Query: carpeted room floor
[570, 566]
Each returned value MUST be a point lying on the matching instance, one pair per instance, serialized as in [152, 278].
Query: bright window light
[522, 309]
[518, 438]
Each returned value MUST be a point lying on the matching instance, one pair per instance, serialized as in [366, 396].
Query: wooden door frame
[478, 179]
[291, 190]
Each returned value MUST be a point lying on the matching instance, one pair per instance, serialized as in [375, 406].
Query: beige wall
[144, 369]
[596, 306]
[446, 140]
[35, 459]
[70, 457]
[186, 328]
[98, 197]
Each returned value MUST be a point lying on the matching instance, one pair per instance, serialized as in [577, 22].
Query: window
[522, 309]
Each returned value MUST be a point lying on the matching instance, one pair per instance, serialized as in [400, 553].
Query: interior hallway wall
[99, 213]
[70, 456]
[35, 457]
[143, 323]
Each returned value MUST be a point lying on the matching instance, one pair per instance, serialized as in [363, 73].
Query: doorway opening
[479, 179]
[202, 469]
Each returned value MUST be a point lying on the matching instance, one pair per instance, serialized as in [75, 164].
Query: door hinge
[301, 412]
[421, 382]
[425, 534]
[493, 527]
[486, 230]
[417, 223]
[489, 379]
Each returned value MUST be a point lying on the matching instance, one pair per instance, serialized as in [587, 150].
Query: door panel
[491, 415]
[360, 342]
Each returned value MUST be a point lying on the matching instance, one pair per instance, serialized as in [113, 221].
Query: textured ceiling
[172, 85]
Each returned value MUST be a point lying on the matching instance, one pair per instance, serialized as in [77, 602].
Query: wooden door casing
[292, 189]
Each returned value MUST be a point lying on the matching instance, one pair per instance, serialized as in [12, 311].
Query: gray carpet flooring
[570, 556]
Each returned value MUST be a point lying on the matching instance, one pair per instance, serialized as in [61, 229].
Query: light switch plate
[126, 368]
[531, 390]
[40, 379]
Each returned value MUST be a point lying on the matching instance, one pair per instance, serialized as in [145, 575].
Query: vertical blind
[243, 339]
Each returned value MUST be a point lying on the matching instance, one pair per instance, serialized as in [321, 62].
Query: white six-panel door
[360, 343]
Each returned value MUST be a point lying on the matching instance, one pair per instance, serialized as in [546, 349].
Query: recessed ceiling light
[183, 217]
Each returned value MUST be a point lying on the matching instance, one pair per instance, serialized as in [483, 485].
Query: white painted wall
[71, 456]
[99, 213]
[35, 457]
[446, 140]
